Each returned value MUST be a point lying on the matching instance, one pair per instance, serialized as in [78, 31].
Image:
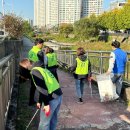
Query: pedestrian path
[92, 115]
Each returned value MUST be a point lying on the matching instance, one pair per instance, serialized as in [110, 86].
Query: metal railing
[99, 61]
[10, 53]
[7, 77]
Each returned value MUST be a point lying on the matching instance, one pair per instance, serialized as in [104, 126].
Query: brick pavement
[92, 115]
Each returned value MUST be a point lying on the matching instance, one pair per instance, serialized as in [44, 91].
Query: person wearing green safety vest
[50, 95]
[32, 55]
[82, 71]
[52, 61]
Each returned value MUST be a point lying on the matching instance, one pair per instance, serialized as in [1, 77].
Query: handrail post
[0, 75]
[65, 57]
[101, 63]
[2, 123]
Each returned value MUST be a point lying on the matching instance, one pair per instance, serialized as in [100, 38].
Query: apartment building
[46, 13]
[90, 7]
[38, 13]
[49, 13]
[69, 11]
[117, 4]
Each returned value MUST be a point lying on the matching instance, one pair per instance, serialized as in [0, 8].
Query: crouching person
[49, 99]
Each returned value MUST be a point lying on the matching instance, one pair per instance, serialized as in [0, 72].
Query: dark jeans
[79, 87]
[117, 79]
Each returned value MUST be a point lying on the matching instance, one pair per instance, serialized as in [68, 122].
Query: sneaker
[120, 100]
[80, 101]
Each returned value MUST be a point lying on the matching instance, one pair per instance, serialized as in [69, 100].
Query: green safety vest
[49, 79]
[82, 67]
[52, 59]
[32, 55]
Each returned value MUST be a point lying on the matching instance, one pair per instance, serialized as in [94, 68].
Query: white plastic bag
[107, 90]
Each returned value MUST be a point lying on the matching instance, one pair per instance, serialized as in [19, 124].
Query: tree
[112, 19]
[86, 28]
[117, 19]
[13, 25]
[126, 16]
[66, 29]
[27, 27]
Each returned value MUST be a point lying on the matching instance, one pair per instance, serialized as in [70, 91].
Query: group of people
[42, 73]
[41, 66]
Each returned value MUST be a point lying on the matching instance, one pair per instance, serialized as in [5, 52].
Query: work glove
[47, 110]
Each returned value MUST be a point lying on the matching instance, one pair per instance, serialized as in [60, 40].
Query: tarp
[107, 90]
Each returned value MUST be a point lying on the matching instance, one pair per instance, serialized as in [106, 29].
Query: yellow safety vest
[52, 59]
[50, 81]
[32, 55]
[82, 67]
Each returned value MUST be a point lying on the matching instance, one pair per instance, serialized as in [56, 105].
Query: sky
[24, 8]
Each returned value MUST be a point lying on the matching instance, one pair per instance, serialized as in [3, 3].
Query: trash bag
[107, 90]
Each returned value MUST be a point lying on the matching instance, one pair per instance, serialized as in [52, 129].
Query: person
[50, 97]
[117, 63]
[82, 71]
[52, 61]
[24, 72]
[32, 55]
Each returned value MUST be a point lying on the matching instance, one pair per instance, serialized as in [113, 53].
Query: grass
[97, 45]
[61, 38]
[100, 46]
[25, 113]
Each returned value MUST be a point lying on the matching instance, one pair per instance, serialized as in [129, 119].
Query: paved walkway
[92, 115]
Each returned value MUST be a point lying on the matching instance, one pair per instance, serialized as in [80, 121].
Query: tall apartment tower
[49, 13]
[38, 13]
[46, 13]
[91, 7]
[69, 11]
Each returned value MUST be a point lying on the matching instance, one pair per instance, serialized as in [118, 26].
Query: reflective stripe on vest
[52, 59]
[82, 67]
[32, 55]
[50, 80]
